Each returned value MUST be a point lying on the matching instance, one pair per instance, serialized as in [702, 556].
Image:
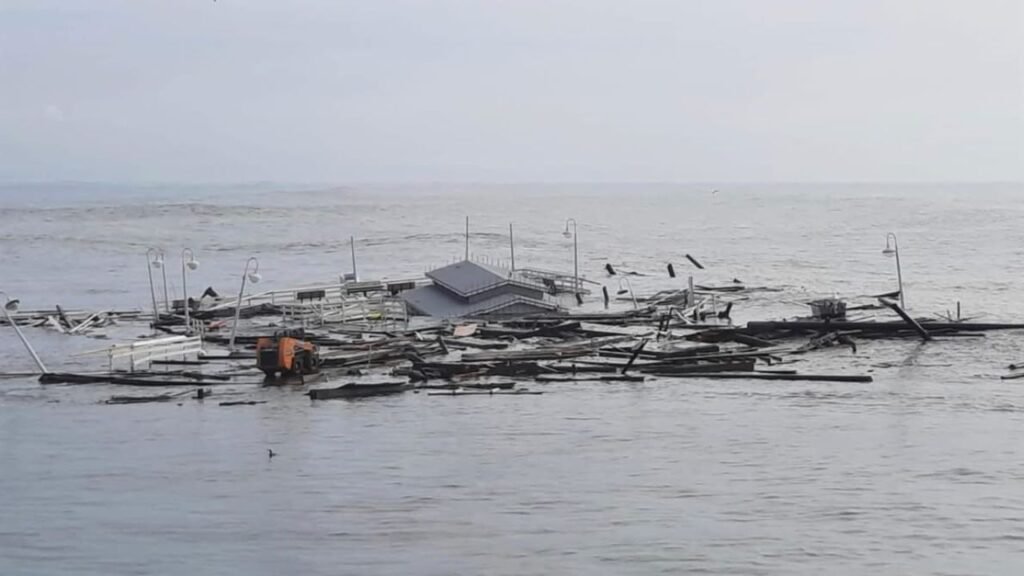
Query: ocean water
[919, 472]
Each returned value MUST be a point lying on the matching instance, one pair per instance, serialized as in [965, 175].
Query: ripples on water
[919, 472]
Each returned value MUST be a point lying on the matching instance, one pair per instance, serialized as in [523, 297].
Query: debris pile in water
[362, 334]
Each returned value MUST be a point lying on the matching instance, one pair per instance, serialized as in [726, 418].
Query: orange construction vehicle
[288, 354]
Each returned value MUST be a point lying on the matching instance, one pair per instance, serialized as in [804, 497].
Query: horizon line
[341, 184]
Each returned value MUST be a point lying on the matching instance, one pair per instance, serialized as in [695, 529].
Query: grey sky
[515, 90]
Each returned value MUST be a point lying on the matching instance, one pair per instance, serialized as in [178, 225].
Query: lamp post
[253, 277]
[893, 249]
[11, 305]
[352, 245]
[512, 246]
[190, 264]
[163, 273]
[155, 259]
[575, 253]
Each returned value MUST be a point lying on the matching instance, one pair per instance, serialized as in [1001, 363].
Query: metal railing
[333, 294]
[146, 351]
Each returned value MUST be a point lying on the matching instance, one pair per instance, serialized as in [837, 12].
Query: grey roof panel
[468, 277]
[437, 302]
[465, 277]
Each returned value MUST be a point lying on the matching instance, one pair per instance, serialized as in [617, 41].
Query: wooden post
[636, 352]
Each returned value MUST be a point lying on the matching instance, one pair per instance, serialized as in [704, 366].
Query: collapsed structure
[483, 329]
[469, 289]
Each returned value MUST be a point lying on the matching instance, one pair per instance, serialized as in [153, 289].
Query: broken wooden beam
[457, 392]
[632, 359]
[760, 327]
[774, 376]
[679, 369]
[471, 386]
[121, 379]
[906, 318]
[555, 378]
[751, 340]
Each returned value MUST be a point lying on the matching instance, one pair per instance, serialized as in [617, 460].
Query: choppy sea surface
[919, 472]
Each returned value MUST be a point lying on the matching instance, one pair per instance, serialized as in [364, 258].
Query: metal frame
[145, 351]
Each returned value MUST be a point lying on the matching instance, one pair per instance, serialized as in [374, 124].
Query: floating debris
[359, 390]
[485, 329]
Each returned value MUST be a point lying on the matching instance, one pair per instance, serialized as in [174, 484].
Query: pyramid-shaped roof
[466, 278]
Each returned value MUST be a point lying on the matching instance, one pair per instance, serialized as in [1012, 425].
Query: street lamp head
[568, 221]
[891, 246]
[192, 264]
[889, 250]
[158, 257]
[622, 291]
[11, 305]
[253, 276]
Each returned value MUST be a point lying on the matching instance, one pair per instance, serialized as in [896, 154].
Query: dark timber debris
[360, 334]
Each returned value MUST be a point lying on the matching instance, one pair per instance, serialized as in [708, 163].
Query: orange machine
[287, 354]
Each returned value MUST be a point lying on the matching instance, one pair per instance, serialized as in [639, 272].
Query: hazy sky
[514, 90]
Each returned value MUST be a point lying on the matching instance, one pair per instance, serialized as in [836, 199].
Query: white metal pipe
[152, 289]
[21, 336]
[241, 292]
[184, 287]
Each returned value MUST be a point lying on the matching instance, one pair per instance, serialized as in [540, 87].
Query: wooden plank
[486, 393]
[752, 341]
[636, 353]
[85, 323]
[768, 376]
[555, 378]
[673, 370]
[887, 327]
[64, 318]
[906, 318]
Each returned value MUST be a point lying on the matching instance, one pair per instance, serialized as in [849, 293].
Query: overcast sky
[514, 90]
